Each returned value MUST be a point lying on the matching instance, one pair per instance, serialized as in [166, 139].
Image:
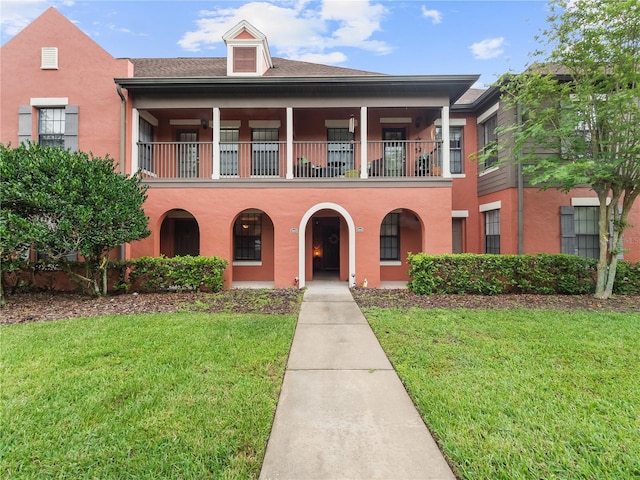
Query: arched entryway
[326, 244]
[179, 234]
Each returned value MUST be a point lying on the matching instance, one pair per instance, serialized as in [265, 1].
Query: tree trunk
[603, 240]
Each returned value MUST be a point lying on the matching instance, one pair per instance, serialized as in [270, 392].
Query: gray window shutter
[25, 128]
[71, 127]
[567, 230]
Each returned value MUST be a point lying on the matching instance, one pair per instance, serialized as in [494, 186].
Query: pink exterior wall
[464, 190]
[85, 75]
[215, 209]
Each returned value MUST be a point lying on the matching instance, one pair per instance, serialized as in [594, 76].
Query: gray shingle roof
[217, 67]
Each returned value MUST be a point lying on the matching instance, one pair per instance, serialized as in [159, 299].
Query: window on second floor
[489, 140]
[51, 127]
[229, 138]
[266, 152]
[456, 163]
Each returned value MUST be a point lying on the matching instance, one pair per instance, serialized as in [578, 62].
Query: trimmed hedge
[146, 274]
[497, 274]
[155, 274]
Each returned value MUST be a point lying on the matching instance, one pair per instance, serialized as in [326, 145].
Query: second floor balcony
[322, 161]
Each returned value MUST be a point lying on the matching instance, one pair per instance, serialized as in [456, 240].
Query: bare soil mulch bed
[23, 308]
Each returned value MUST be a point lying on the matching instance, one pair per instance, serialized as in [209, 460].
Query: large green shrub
[496, 274]
[154, 274]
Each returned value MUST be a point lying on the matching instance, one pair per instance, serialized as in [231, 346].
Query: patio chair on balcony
[306, 169]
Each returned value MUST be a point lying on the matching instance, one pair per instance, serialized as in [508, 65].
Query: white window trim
[485, 207]
[395, 120]
[488, 113]
[587, 202]
[49, 101]
[488, 170]
[458, 175]
[185, 121]
[230, 123]
[390, 263]
[264, 123]
[459, 213]
[247, 263]
[453, 122]
[339, 123]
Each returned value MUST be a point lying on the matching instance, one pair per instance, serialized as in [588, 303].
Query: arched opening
[400, 233]
[253, 247]
[326, 244]
[179, 234]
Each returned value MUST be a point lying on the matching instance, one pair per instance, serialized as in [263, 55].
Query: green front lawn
[523, 394]
[148, 396]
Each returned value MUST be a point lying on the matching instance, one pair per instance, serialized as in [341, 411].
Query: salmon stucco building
[290, 170]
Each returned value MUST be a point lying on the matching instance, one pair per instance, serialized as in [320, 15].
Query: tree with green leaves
[64, 202]
[578, 110]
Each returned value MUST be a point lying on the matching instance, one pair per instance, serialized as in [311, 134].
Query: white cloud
[17, 14]
[488, 48]
[434, 15]
[298, 30]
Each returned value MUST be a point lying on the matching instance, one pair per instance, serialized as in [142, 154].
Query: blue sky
[399, 37]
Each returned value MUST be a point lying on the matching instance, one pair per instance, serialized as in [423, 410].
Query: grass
[189, 396]
[523, 394]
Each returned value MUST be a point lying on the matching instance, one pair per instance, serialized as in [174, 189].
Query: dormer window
[247, 51]
[245, 59]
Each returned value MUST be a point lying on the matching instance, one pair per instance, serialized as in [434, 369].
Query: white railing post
[135, 137]
[289, 173]
[446, 158]
[215, 147]
[364, 138]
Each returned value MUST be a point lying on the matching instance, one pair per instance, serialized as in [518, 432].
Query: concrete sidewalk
[343, 412]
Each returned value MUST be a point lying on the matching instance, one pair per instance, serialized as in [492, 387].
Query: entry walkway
[343, 412]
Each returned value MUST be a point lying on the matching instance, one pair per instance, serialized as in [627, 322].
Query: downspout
[123, 144]
[520, 193]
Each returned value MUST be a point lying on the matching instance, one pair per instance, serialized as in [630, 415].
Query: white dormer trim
[258, 41]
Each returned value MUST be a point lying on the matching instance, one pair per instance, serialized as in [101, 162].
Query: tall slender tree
[579, 113]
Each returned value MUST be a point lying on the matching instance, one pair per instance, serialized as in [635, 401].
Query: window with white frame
[51, 127]
[489, 140]
[390, 237]
[492, 231]
[247, 237]
[456, 164]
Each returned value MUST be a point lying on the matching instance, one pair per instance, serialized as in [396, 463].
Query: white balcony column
[289, 142]
[215, 147]
[446, 157]
[364, 138]
[135, 138]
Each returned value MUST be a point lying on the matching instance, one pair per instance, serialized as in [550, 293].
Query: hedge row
[146, 274]
[496, 274]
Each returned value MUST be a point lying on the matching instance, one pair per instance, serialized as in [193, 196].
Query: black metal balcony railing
[387, 159]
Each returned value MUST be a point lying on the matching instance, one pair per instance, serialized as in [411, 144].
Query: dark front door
[326, 244]
[186, 237]
[394, 151]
